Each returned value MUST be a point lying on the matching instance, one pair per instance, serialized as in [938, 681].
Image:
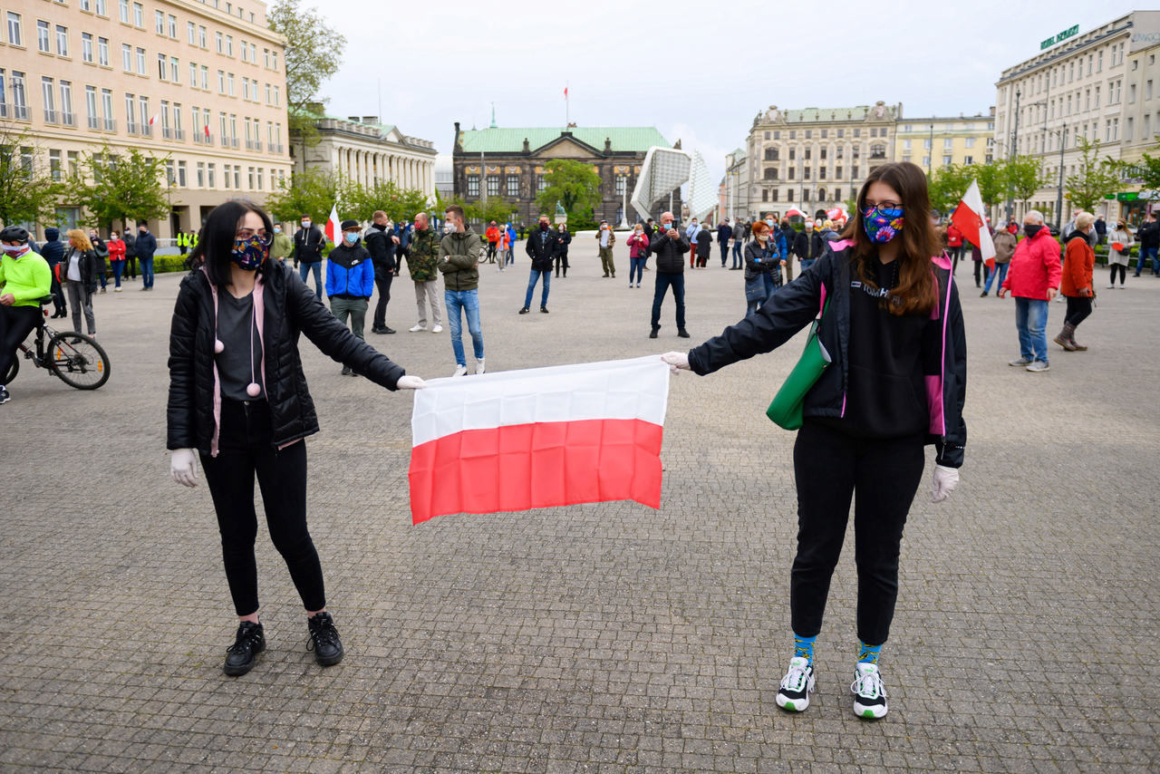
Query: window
[269, 100]
[838, 171]
[821, 173]
[124, 11]
[1132, 94]
[159, 22]
[219, 41]
[138, 15]
[201, 174]
[926, 144]
[47, 89]
[66, 107]
[493, 185]
[61, 40]
[841, 132]
[789, 195]
[91, 107]
[237, 177]
[42, 35]
[809, 133]
[621, 186]
[858, 132]
[245, 51]
[1147, 123]
[245, 88]
[19, 97]
[127, 57]
[765, 195]
[806, 174]
[770, 174]
[172, 23]
[103, 52]
[162, 69]
[948, 143]
[877, 151]
[968, 159]
[767, 135]
[825, 133]
[140, 61]
[277, 97]
[1148, 90]
[234, 129]
[873, 132]
[1129, 126]
[107, 109]
[274, 59]
[221, 81]
[250, 176]
[170, 172]
[229, 45]
[143, 106]
[906, 145]
[230, 80]
[513, 186]
[174, 70]
[191, 33]
[792, 153]
[85, 5]
[793, 134]
[808, 151]
[193, 75]
[205, 77]
[210, 170]
[54, 165]
[201, 36]
[181, 174]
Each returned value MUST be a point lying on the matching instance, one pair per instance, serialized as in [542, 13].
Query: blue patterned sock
[868, 654]
[803, 647]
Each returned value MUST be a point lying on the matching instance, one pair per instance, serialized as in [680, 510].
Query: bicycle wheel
[12, 370]
[78, 360]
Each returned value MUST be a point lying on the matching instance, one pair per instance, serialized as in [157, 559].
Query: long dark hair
[917, 290]
[215, 242]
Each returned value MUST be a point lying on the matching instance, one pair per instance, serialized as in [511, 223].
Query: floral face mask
[880, 224]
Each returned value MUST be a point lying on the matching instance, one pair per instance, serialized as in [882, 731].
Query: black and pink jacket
[796, 305]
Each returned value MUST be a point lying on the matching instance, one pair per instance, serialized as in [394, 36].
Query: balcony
[250, 145]
[275, 147]
[51, 116]
[257, 145]
[225, 141]
[234, 142]
[880, 155]
[94, 122]
[68, 119]
[132, 127]
[3, 109]
[179, 135]
[110, 124]
[167, 133]
[20, 112]
[146, 130]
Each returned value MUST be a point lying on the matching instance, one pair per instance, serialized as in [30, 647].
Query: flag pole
[567, 107]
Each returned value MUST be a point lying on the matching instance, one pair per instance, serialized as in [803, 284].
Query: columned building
[368, 153]
[816, 158]
[510, 164]
[200, 84]
[1079, 85]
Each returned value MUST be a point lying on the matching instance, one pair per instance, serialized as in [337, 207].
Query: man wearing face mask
[384, 248]
[350, 281]
[146, 247]
[669, 246]
[308, 244]
[724, 235]
[423, 262]
[808, 246]
[280, 249]
[607, 239]
[542, 247]
[1033, 280]
[24, 279]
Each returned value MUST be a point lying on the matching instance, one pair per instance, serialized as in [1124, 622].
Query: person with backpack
[238, 400]
[893, 328]
[309, 242]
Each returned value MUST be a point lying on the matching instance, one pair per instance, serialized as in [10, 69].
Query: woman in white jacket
[1118, 259]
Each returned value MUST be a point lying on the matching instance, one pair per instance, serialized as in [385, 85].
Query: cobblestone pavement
[599, 638]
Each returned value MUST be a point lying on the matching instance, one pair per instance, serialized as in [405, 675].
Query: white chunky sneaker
[437, 329]
[479, 369]
[460, 370]
[797, 685]
[417, 328]
[869, 692]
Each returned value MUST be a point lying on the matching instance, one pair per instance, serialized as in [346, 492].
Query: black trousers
[562, 260]
[1123, 273]
[58, 303]
[981, 270]
[16, 322]
[131, 266]
[383, 283]
[1078, 310]
[245, 449]
[830, 468]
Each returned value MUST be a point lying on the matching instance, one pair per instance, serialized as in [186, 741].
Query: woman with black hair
[238, 396]
[894, 331]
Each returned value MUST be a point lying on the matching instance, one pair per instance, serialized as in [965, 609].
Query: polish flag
[538, 438]
[333, 225]
[971, 219]
[207, 130]
[565, 92]
[154, 119]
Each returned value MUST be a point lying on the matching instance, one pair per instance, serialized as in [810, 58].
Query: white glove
[676, 360]
[183, 467]
[945, 481]
[410, 383]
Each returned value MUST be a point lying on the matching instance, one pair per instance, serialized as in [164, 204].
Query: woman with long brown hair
[893, 329]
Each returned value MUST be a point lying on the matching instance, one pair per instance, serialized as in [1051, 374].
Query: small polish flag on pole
[154, 119]
[333, 227]
[207, 130]
[539, 438]
[970, 218]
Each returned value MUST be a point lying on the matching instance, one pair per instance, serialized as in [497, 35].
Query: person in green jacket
[282, 246]
[423, 260]
[459, 261]
[24, 279]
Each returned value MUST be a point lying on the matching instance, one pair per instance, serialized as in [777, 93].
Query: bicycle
[79, 361]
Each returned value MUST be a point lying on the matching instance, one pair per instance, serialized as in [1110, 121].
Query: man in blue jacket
[146, 247]
[53, 252]
[724, 234]
[350, 281]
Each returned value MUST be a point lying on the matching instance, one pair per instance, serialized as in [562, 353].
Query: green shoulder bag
[786, 408]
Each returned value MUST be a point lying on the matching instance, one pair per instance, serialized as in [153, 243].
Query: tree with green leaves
[400, 204]
[113, 188]
[495, 209]
[312, 55]
[1024, 176]
[947, 186]
[1094, 177]
[992, 180]
[575, 185]
[1147, 169]
[28, 194]
[310, 193]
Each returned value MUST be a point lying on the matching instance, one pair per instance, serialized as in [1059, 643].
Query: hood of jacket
[51, 234]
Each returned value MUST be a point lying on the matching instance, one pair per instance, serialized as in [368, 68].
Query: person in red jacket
[492, 235]
[1033, 280]
[116, 247]
[955, 245]
[1077, 287]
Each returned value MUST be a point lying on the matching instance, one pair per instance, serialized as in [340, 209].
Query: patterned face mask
[251, 252]
[881, 225]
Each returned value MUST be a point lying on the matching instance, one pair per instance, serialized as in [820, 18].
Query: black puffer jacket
[289, 308]
[669, 252]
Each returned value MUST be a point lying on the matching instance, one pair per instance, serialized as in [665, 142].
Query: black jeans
[1078, 310]
[245, 448]
[1123, 274]
[131, 266]
[981, 269]
[16, 322]
[663, 282]
[562, 261]
[830, 467]
[58, 303]
[383, 283]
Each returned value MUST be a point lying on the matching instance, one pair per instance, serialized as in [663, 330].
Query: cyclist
[24, 279]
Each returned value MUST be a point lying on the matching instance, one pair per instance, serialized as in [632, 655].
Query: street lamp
[930, 154]
[1062, 134]
[1014, 139]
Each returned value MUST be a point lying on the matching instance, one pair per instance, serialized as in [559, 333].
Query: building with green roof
[509, 163]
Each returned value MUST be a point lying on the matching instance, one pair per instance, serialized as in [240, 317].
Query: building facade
[937, 142]
[368, 153]
[509, 164]
[200, 84]
[1077, 86]
[1141, 127]
[815, 158]
[735, 187]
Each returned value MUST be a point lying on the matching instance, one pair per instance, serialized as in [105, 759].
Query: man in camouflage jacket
[423, 263]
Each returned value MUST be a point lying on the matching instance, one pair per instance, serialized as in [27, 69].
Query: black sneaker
[4, 396]
[684, 334]
[653, 334]
[324, 640]
[524, 310]
[250, 641]
[346, 370]
[544, 309]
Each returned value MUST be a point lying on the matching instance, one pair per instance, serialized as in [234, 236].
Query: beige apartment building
[816, 158]
[1141, 126]
[200, 83]
[940, 141]
[1079, 85]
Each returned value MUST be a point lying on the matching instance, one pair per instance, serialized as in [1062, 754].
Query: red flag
[565, 92]
[207, 130]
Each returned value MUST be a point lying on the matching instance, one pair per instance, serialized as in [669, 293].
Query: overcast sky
[698, 71]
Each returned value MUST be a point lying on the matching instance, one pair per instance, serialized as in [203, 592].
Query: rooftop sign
[1059, 37]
